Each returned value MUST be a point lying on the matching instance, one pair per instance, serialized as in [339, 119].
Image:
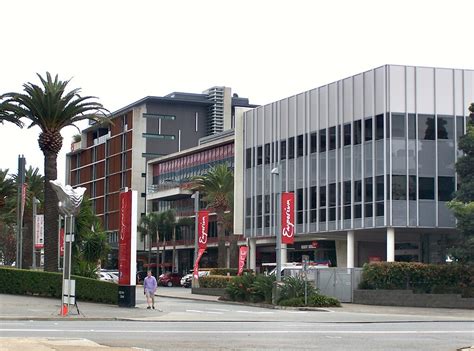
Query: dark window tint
[459, 126]
[332, 194]
[426, 188]
[322, 215]
[259, 205]
[332, 138]
[412, 187]
[357, 132]
[322, 140]
[283, 150]
[259, 155]
[291, 148]
[314, 141]
[267, 221]
[399, 187]
[347, 134]
[445, 188]
[357, 211]
[379, 188]
[267, 204]
[369, 210]
[312, 215]
[299, 199]
[300, 149]
[398, 125]
[445, 127]
[347, 192]
[313, 199]
[411, 126]
[248, 158]
[332, 214]
[368, 129]
[267, 154]
[322, 196]
[379, 127]
[299, 217]
[379, 208]
[339, 136]
[357, 191]
[259, 222]
[248, 206]
[347, 212]
[426, 127]
[369, 190]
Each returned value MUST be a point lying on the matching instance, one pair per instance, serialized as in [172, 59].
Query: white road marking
[211, 312]
[296, 312]
[255, 312]
[115, 331]
[197, 311]
[219, 309]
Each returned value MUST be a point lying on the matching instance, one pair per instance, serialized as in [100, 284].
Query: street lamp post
[276, 173]
[35, 204]
[195, 196]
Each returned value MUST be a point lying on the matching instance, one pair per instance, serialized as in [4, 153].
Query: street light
[276, 173]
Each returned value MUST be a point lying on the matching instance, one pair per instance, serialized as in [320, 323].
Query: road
[197, 325]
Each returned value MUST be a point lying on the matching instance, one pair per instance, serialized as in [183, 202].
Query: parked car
[170, 279]
[187, 280]
[113, 274]
[105, 277]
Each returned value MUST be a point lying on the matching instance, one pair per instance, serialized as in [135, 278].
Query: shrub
[25, 282]
[294, 287]
[224, 271]
[262, 288]
[424, 278]
[315, 300]
[240, 288]
[214, 281]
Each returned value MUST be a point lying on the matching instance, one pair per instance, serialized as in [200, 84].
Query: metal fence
[337, 282]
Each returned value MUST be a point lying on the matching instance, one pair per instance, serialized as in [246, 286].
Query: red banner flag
[127, 255]
[203, 224]
[242, 257]
[61, 242]
[196, 264]
[287, 218]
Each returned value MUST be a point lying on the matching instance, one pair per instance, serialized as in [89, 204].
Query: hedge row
[420, 277]
[26, 282]
[224, 271]
[214, 281]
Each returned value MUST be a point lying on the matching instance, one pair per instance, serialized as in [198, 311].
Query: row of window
[428, 129]
[327, 196]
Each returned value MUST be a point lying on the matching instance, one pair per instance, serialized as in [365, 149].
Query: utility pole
[19, 211]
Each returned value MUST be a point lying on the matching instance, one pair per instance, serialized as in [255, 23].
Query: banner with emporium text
[196, 264]
[203, 225]
[128, 238]
[242, 257]
[287, 218]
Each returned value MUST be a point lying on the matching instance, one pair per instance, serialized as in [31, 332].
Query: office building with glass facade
[370, 159]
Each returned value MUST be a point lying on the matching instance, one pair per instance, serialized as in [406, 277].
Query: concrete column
[284, 256]
[253, 253]
[350, 249]
[390, 244]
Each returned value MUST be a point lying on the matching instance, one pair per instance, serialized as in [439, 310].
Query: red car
[170, 279]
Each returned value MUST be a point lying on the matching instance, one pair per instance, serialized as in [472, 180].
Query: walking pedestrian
[149, 289]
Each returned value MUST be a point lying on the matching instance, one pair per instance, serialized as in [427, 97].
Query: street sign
[39, 231]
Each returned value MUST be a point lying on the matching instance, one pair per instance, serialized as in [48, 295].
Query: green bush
[25, 282]
[419, 277]
[214, 281]
[294, 287]
[240, 288]
[224, 271]
[315, 300]
[262, 288]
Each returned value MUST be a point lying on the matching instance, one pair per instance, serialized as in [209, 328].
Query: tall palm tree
[148, 228]
[51, 108]
[218, 188]
[6, 116]
[7, 218]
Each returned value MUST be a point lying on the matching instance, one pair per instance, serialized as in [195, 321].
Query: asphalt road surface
[192, 325]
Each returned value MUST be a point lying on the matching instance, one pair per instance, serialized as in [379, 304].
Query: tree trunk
[234, 251]
[157, 255]
[221, 253]
[50, 214]
[163, 255]
[174, 249]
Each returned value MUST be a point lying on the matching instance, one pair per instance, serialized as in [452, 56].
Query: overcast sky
[121, 51]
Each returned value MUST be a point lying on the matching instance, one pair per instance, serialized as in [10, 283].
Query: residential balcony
[170, 190]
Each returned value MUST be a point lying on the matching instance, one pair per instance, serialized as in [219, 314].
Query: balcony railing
[182, 185]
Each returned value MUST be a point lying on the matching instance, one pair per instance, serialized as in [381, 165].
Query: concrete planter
[408, 299]
[208, 291]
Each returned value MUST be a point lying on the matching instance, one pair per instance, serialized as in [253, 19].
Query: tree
[7, 218]
[463, 203]
[6, 116]
[217, 185]
[51, 108]
[148, 228]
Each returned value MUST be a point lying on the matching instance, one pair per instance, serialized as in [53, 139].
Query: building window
[445, 188]
[380, 208]
[459, 126]
[267, 154]
[379, 195]
[332, 138]
[412, 187]
[426, 127]
[300, 146]
[299, 206]
[291, 148]
[357, 211]
[445, 127]
[248, 158]
[398, 125]
[248, 207]
[347, 212]
[322, 196]
[347, 192]
[322, 140]
[426, 188]
[357, 132]
[313, 198]
[314, 141]
[411, 126]
[259, 155]
[283, 150]
[379, 127]
[369, 210]
[158, 136]
[332, 194]
[368, 129]
[369, 190]
[358, 191]
[399, 187]
[347, 134]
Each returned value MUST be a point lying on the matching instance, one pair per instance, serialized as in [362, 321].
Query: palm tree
[51, 108]
[148, 228]
[7, 218]
[6, 116]
[218, 188]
